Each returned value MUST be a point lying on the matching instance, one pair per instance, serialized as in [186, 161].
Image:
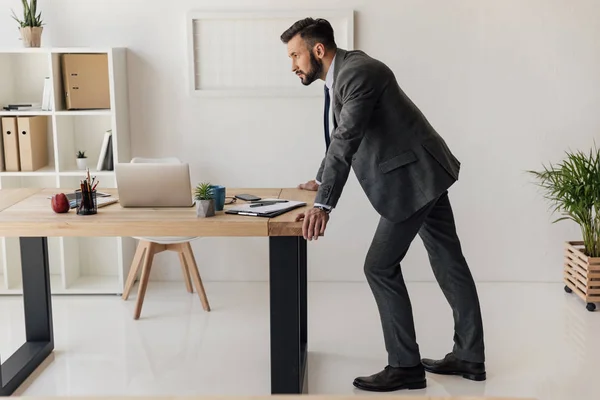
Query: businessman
[405, 169]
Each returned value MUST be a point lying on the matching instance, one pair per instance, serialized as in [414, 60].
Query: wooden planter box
[582, 274]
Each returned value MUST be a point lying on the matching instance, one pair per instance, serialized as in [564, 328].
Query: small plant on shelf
[31, 25]
[81, 160]
[205, 206]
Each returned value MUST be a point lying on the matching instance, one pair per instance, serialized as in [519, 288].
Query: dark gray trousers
[434, 223]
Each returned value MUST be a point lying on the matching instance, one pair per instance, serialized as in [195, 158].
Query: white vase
[82, 163]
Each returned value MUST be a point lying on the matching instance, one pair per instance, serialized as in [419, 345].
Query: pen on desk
[247, 213]
[267, 203]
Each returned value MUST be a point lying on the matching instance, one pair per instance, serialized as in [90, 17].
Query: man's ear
[319, 50]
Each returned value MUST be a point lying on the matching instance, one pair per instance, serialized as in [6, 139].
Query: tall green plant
[31, 17]
[573, 187]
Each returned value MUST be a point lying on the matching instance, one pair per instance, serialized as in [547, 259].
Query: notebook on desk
[101, 201]
[269, 211]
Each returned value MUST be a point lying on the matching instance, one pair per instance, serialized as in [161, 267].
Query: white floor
[541, 342]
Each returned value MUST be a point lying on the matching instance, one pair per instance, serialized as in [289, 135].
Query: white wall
[510, 84]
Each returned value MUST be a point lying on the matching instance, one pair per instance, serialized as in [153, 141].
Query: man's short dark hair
[313, 31]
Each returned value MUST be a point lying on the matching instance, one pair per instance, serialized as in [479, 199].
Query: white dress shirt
[329, 84]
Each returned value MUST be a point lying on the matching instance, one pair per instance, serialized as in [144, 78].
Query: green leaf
[572, 186]
[203, 191]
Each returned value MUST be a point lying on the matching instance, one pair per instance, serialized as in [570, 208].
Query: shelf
[83, 132]
[55, 286]
[83, 285]
[48, 170]
[39, 125]
[23, 76]
[93, 284]
[79, 172]
[84, 112]
[5, 113]
[11, 260]
[90, 264]
[25, 180]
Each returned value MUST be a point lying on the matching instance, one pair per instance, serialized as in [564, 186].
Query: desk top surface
[291, 397]
[27, 212]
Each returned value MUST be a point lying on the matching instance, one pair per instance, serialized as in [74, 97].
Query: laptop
[154, 185]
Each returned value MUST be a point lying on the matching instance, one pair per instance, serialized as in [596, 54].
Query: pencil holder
[86, 202]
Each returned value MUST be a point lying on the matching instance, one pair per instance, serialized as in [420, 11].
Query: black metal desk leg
[38, 316]
[288, 295]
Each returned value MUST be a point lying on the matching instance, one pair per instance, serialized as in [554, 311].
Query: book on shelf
[25, 106]
[47, 95]
[105, 159]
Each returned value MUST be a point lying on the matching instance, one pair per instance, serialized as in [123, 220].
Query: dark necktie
[326, 118]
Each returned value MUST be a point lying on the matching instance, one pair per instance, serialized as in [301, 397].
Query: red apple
[60, 203]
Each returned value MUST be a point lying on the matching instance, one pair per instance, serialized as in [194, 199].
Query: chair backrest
[164, 160]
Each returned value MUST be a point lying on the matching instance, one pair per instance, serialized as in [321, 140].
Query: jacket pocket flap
[398, 161]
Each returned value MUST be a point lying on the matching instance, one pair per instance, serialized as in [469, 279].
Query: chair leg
[144, 279]
[135, 268]
[193, 269]
[185, 270]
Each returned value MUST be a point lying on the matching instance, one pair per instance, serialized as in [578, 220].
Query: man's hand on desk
[315, 221]
[310, 185]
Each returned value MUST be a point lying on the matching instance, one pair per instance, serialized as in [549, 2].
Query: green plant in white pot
[81, 160]
[205, 203]
[31, 24]
[573, 188]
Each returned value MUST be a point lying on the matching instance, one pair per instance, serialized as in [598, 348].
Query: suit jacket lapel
[340, 56]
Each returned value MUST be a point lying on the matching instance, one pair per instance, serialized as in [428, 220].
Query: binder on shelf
[86, 82]
[33, 142]
[2, 166]
[11, 144]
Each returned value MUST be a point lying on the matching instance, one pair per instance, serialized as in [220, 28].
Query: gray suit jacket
[401, 162]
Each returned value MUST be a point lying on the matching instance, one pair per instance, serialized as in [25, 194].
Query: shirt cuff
[317, 182]
[322, 205]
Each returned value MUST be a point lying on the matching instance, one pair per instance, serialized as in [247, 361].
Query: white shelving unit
[77, 265]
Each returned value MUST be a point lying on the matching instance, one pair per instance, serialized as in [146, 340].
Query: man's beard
[316, 67]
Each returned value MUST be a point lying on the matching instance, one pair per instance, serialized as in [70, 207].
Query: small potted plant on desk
[573, 187]
[31, 24]
[205, 203]
[81, 160]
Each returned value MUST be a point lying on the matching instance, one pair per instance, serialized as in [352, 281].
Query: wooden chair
[149, 246]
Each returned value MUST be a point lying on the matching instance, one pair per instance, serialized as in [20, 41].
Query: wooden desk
[288, 397]
[26, 213]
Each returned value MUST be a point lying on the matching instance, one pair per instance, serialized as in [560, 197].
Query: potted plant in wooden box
[205, 206]
[31, 24]
[573, 187]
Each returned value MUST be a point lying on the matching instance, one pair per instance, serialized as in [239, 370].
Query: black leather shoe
[393, 378]
[451, 365]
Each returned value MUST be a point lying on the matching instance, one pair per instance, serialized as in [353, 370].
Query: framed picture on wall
[241, 53]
